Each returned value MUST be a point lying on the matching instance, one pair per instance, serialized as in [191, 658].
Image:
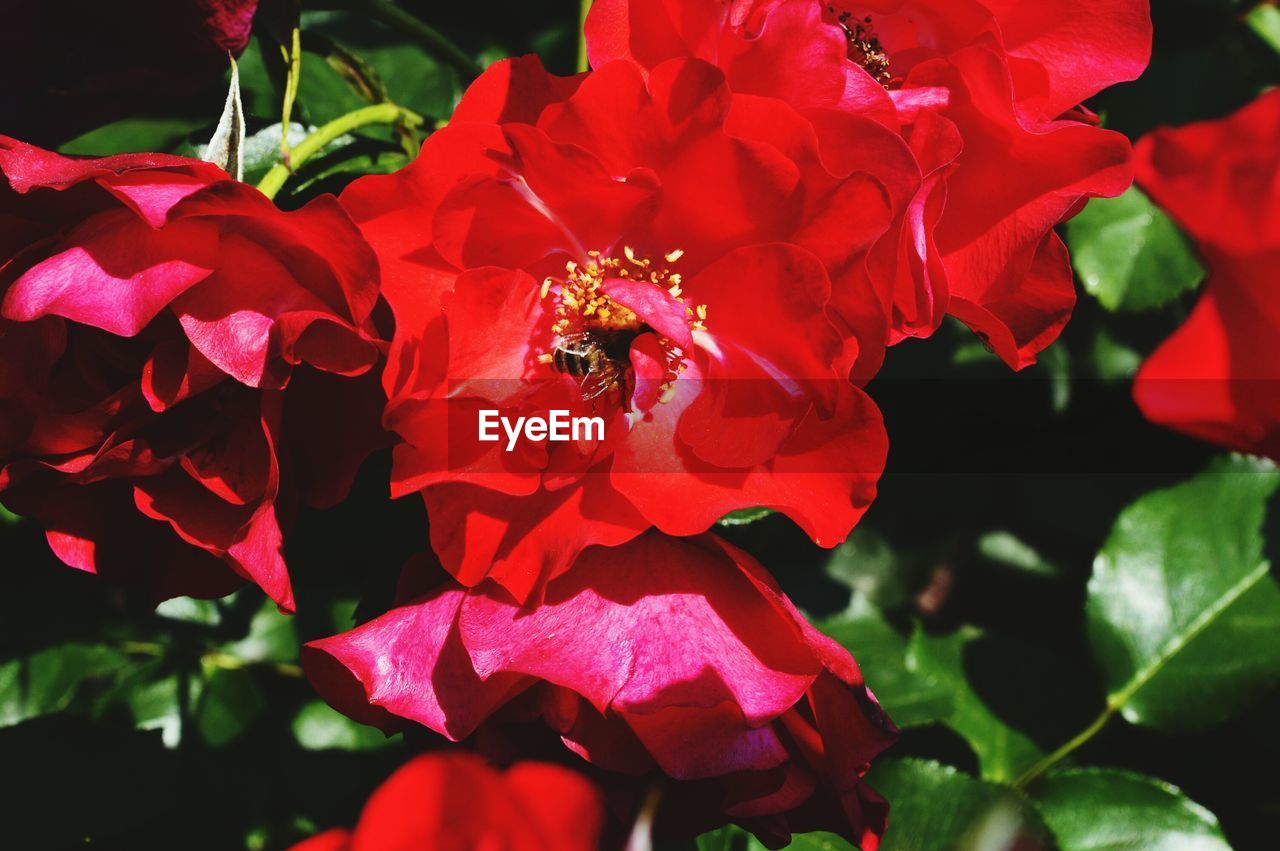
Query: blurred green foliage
[1177, 638]
[1129, 255]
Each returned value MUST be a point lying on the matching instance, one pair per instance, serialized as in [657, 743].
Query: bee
[600, 359]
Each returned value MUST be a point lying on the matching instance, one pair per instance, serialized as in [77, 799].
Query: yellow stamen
[865, 47]
[582, 305]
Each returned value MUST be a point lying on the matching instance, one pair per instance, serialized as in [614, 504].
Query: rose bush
[179, 363]
[708, 242]
[986, 92]
[456, 801]
[670, 658]
[660, 214]
[1216, 377]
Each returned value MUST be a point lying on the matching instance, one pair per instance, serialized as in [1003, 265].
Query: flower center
[864, 44]
[594, 330]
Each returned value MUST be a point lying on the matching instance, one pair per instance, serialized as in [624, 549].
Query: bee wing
[596, 384]
[579, 343]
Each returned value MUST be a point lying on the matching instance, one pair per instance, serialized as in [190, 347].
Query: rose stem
[381, 113]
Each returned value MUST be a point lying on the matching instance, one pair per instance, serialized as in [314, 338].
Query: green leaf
[1113, 360]
[938, 808]
[728, 838]
[48, 680]
[1182, 610]
[342, 615]
[1265, 21]
[1130, 255]
[732, 838]
[361, 77]
[161, 704]
[410, 77]
[318, 727]
[1006, 549]
[868, 565]
[746, 516]
[136, 134]
[190, 610]
[912, 698]
[8, 518]
[271, 638]
[819, 842]
[323, 93]
[1056, 362]
[347, 163]
[262, 78]
[1097, 809]
[974, 353]
[1003, 752]
[229, 704]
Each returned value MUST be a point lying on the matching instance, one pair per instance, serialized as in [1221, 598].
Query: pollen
[865, 47]
[583, 306]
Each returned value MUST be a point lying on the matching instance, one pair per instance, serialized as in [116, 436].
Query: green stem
[215, 658]
[141, 648]
[430, 38]
[294, 59]
[584, 63]
[1086, 735]
[227, 662]
[381, 113]
[1118, 700]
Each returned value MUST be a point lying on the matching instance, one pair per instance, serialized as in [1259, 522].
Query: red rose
[71, 67]
[1215, 378]
[152, 413]
[675, 655]
[457, 801]
[651, 222]
[1006, 77]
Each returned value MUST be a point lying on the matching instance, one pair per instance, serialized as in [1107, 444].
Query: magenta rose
[182, 362]
[672, 660]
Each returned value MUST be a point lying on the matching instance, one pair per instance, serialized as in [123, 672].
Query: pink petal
[114, 272]
[409, 662]
[655, 306]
